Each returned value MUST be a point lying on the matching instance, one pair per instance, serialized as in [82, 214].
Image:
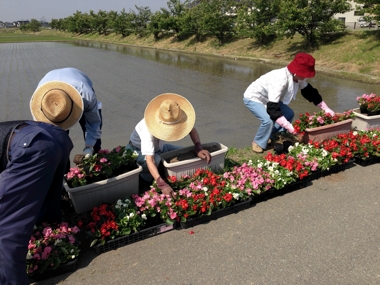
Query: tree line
[261, 20]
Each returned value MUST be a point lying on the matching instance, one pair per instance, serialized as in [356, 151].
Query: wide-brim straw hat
[169, 117]
[58, 103]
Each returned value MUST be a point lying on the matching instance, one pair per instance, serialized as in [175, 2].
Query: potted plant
[373, 106]
[321, 126]
[363, 102]
[51, 248]
[103, 178]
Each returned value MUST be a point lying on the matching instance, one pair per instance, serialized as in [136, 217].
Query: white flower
[270, 168]
[355, 133]
[143, 216]
[28, 255]
[117, 206]
[205, 189]
[324, 153]
[290, 148]
[127, 201]
[296, 144]
[57, 241]
[72, 250]
[73, 256]
[250, 162]
[119, 202]
[236, 196]
[131, 215]
[260, 165]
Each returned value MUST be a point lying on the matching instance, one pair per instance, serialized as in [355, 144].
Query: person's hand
[165, 188]
[202, 153]
[283, 122]
[325, 108]
[88, 152]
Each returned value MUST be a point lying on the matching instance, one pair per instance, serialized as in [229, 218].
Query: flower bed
[233, 209]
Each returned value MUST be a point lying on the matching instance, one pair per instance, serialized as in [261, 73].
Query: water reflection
[340, 93]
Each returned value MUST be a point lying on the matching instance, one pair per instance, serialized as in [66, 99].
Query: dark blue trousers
[30, 192]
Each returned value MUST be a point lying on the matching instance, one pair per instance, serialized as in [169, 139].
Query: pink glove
[325, 108]
[164, 187]
[283, 122]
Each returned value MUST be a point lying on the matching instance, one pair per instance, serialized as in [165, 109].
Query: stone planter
[363, 122]
[319, 134]
[84, 198]
[189, 166]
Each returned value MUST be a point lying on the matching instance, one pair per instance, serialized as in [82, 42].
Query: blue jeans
[267, 127]
[145, 174]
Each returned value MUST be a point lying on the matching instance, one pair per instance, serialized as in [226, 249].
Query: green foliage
[33, 26]
[312, 19]
[258, 21]
[140, 20]
[121, 24]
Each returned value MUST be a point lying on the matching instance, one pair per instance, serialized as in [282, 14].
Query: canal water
[127, 78]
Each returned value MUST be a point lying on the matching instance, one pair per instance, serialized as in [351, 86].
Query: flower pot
[372, 113]
[84, 198]
[189, 166]
[238, 206]
[319, 134]
[132, 238]
[363, 122]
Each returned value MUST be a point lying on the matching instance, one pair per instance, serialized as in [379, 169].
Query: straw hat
[57, 103]
[303, 65]
[169, 117]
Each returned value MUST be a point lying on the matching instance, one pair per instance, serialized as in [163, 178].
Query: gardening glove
[325, 108]
[202, 153]
[164, 187]
[87, 152]
[283, 122]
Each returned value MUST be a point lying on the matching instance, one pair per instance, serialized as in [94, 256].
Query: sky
[19, 10]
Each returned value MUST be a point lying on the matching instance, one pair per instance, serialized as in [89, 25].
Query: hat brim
[36, 100]
[167, 132]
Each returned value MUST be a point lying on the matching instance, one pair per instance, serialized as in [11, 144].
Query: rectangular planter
[132, 238]
[84, 198]
[362, 122]
[189, 166]
[320, 134]
[191, 222]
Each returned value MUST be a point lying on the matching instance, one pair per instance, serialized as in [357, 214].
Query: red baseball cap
[302, 65]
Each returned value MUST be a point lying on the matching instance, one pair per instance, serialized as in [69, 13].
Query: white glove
[88, 151]
[325, 108]
[283, 122]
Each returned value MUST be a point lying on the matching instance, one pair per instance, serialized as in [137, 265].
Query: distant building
[21, 23]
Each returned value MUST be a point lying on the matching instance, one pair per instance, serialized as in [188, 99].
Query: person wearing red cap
[268, 98]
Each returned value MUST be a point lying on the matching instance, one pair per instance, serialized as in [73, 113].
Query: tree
[219, 18]
[140, 20]
[371, 7]
[256, 20]
[33, 26]
[121, 24]
[311, 18]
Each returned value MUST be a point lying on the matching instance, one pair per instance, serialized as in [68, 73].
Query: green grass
[13, 35]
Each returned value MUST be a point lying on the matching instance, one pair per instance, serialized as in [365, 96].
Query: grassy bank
[352, 55]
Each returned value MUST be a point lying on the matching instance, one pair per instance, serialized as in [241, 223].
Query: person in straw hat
[79, 84]
[33, 159]
[268, 98]
[168, 117]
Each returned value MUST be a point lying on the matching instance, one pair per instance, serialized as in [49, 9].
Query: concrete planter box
[362, 122]
[84, 198]
[189, 166]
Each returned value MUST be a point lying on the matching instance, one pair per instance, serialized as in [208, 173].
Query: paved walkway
[326, 233]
